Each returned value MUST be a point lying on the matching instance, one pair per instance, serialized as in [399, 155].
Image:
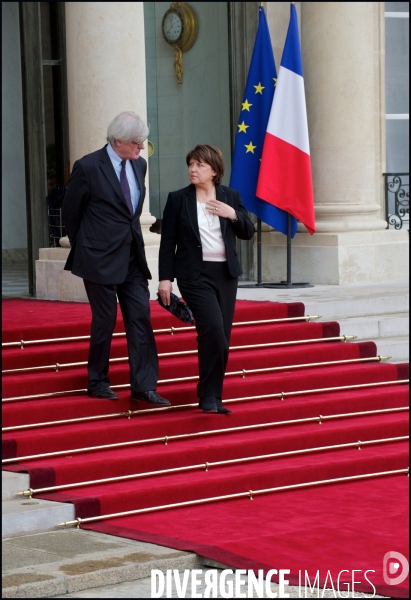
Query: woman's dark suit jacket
[180, 247]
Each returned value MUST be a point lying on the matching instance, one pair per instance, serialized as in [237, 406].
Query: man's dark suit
[108, 253]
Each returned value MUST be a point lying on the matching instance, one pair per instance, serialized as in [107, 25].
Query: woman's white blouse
[210, 234]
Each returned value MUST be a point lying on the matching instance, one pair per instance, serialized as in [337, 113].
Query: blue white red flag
[251, 129]
[285, 177]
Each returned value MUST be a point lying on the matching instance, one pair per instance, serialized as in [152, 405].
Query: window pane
[398, 141]
[49, 31]
[150, 26]
[397, 65]
[45, 31]
[198, 111]
[397, 6]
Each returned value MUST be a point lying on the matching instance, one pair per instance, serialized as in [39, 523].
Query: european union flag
[251, 129]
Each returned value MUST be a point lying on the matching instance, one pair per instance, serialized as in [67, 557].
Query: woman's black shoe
[208, 404]
[220, 408]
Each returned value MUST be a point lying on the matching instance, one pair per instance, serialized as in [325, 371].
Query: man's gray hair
[127, 127]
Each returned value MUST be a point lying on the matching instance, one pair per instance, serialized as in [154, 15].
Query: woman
[200, 224]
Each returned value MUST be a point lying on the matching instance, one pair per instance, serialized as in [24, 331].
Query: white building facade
[69, 68]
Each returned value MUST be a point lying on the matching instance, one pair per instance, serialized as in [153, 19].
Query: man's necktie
[125, 187]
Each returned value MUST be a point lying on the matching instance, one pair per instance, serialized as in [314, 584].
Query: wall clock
[179, 27]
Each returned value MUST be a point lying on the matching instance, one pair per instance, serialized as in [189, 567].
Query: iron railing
[397, 200]
[56, 227]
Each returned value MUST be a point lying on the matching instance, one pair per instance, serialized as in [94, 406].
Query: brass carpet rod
[171, 330]
[280, 395]
[343, 338]
[130, 413]
[250, 494]
[57, 366]
[127, 413]
[181, 436]
[341, 388]
[205, 466]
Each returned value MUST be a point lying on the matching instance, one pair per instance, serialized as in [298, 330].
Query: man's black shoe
[105, 392]
[151, 397]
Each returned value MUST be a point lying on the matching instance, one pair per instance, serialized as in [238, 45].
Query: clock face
[172, 26]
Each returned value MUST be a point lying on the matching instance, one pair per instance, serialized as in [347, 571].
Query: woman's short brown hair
[212, 156]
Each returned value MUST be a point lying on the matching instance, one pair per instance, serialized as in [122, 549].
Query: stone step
[376, 327]
[335, 302]
[398, 324]
[345, 308]
[67, 561]
[29, 515]
[12, 483]
[396, 347]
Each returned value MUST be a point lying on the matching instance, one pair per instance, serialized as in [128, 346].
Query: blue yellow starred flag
[251, 130]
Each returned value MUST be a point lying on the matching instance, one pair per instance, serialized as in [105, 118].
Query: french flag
[285, 179]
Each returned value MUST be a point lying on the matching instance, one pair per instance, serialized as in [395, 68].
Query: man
[101, 213]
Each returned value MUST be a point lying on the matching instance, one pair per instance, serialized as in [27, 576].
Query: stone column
[338, 43]
[342, 46]
[106, 74]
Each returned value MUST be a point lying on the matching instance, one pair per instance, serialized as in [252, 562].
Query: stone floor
[144, 588]
[76, 563]
[15, 280]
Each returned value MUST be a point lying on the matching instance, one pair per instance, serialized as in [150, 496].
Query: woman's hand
[165, 288]
[221, 209]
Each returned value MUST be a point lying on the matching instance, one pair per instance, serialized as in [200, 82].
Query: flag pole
[259, 252]
[288, 283]
[259, 245]
[289, 249]
[259, 283]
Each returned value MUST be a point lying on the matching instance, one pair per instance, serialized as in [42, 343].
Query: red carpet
[347, 525]
[329, 528]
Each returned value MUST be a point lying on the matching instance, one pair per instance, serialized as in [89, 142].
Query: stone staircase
[384, 320]
[389, 332]
[378, 312]
[28, 515]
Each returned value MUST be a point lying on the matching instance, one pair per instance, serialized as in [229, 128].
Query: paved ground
[83, 564]
[15, 280]
[324, 294]
[143, 589]
[68, 560]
